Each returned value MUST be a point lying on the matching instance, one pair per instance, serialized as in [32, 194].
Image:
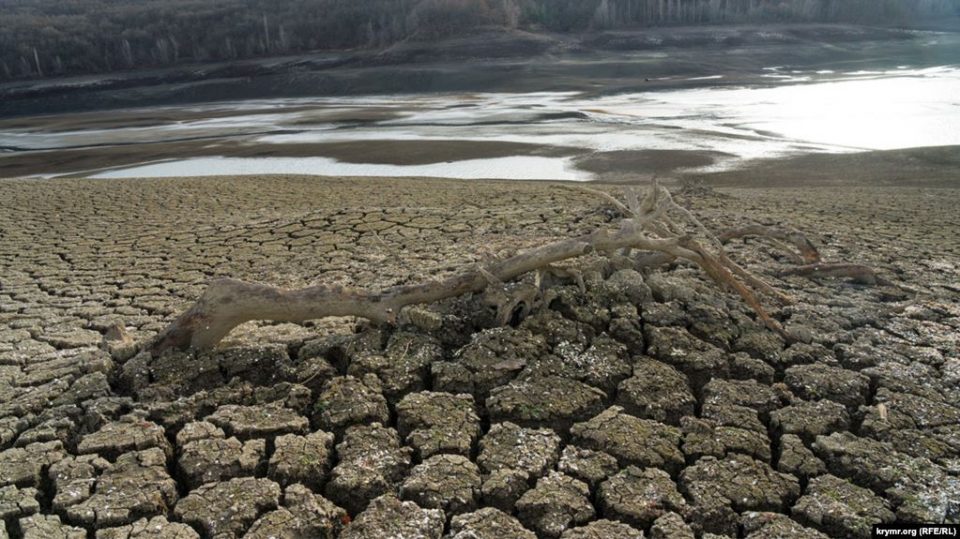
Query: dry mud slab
[648, 402]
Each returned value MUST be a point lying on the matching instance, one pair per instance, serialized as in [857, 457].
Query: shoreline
[937, 166]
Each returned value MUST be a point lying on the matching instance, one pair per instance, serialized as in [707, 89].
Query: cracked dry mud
[649, 404]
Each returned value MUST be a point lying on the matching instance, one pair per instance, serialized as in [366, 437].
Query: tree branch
[227, 303]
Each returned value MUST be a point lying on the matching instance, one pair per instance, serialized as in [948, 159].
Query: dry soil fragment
[389, 517]
[503, 487]
[811, 419]
[631, 440]
[225, 510]
[447, 482]
[671, 526]
[304, 516]
[403, 366]
[603, 529]
[719, 489]
[760, 525]
[506, 445]
[550, 401]
[302, 459]
[434, 423]
[261, 421]
[841, 508]
[218, 459]
[555, 504]
[705, 438]
[346, 401]
[155, 528]
[49, 527]
[488, 523]
[492, 358]
[639, 497]
[587, 465]
[796, 459]
[23, 466]
[372, 462]
[135, 486]
[130, 433]
[699, 360]
[749, 393]
[921, 490]
[656, 391]
[16, 502]
[818, 381]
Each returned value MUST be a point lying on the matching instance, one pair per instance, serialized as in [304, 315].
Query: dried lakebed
[649, 402]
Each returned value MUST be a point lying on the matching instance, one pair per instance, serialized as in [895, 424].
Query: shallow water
[820, 110]
[517, 168]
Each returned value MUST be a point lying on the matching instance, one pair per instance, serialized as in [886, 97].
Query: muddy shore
[453, 427]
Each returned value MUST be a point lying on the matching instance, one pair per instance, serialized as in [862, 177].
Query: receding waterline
[505, 168]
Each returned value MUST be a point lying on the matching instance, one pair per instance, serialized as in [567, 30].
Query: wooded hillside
[56, 37]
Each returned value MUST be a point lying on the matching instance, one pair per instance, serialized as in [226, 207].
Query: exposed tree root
[808, 253]
[648, 226]
[810, 263]
[859, 273]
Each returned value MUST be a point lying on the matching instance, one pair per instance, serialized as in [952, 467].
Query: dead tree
[653, 223]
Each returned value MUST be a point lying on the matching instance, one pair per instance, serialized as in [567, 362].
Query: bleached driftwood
[649, 225]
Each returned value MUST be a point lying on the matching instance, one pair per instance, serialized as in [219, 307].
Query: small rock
[488, 523]
[841, 508]
[302, 459]
[447, 482]
[506, 445]
[389, 517]
[631, 440]
[555, 504]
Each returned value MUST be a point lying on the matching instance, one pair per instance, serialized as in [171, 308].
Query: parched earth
[646, 404]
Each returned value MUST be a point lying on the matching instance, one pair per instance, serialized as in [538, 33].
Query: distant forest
[42, 38]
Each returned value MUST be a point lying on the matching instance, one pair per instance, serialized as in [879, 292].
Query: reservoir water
[793, 112]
